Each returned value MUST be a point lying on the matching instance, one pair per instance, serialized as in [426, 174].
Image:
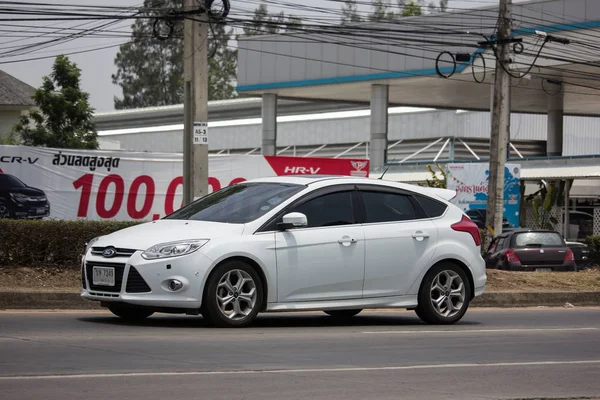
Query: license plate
[41, 211]
[104, 276]
[543, 270]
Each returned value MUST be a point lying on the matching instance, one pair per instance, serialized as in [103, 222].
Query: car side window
[432, 207]
[328, 210]
[387, 207]
[493, 246]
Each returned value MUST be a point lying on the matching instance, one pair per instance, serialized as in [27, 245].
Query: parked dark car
[19, 201]
[582, 253]
[479, 216]
[530, 250]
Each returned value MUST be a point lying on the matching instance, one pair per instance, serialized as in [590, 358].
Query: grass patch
[504, 281]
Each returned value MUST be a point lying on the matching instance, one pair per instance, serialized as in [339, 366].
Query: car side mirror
[293, 220]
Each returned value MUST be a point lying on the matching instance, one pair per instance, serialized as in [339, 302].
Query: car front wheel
[129, 313]
[233, 295]
[444, 295]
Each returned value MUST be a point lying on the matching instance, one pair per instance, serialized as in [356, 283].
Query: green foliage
[63, 117]
[263, 23]
[381, 10]
[411, 9]
[436, 181]
[594, 244]
[10, 139]
[26, 243]
[350, 13]
[548, 196]
[150, 71]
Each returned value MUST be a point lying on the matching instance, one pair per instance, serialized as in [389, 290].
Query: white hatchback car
[337, 244]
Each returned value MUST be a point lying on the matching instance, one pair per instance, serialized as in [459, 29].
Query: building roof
[14, 92]
[411, 57]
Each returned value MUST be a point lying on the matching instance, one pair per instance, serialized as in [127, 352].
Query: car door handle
[346, 241]
[420, 235]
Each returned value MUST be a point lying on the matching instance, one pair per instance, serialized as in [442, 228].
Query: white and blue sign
[470, 181]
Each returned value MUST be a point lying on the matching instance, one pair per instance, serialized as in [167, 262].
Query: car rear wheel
[130, 313]
[444, 295]
[342, 314]
[233, 295]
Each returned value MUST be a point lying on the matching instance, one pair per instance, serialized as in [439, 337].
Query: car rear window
[538, 239]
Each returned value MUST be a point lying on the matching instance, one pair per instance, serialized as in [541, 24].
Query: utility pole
[500, 121]
[195, 136]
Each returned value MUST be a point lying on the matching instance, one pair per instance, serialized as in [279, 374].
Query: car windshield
[9, 182]
[538, 239]
[237, 204]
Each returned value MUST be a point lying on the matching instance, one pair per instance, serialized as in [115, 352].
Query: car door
[325, 260]
[399, 241]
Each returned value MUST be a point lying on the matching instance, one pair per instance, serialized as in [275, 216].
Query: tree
[264, 24]
[150, 70]
[411, 9]
[381, 9]
[436, 181]
[381, 12]
[222, 67]
[350, 12]
[63, 118]
[441, 7]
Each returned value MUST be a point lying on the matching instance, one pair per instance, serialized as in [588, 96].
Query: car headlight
[19, 197]
[173, 249]
[89, 244]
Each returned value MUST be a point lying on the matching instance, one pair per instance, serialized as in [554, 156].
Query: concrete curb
[73, 301]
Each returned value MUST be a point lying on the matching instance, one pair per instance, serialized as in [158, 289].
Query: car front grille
[97, 251]
[119, 271]
[135, 282]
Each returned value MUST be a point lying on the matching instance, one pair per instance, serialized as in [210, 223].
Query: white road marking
[299, 371]
[520, 330]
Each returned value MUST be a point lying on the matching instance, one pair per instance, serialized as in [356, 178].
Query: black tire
[130, 313]
[342, 314]
[4, 213]
[426, 310]
[211, 308]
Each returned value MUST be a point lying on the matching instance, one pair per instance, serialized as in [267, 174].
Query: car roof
[327, 180]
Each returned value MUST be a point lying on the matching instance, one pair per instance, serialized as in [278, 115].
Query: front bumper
[144, 282]
[27, 211]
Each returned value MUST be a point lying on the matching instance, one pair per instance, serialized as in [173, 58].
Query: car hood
[29, 191]
[143, 236]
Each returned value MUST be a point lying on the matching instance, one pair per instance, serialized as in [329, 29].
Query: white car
[294, 243]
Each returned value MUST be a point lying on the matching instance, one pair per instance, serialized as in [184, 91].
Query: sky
[98, 66]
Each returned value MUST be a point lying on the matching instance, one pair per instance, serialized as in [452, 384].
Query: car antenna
[386, 170]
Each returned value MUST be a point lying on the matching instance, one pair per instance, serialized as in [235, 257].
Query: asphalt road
[491, 354]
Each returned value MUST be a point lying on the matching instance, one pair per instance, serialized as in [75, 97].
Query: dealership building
[396, 94]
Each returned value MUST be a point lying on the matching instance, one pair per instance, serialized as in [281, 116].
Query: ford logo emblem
[109, 252]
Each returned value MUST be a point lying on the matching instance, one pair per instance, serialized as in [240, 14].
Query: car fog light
[174, 285]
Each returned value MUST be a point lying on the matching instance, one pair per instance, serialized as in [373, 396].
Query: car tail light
[466, 225]
[569, 256]
[511, 256]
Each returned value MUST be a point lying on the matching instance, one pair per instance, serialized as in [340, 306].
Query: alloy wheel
[236, 294]
[447, 293]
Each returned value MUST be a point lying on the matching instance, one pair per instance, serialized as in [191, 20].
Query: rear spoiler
[445, 194]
